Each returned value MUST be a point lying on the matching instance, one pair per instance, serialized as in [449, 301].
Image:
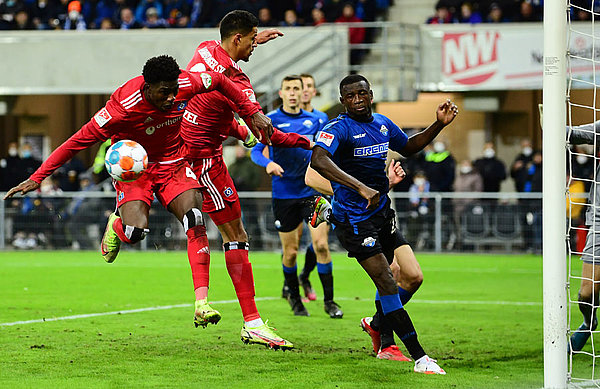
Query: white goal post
[554, 185]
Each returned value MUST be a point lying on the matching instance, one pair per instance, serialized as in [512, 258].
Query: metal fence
[502, 222]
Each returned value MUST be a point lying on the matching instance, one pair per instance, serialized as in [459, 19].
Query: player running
[207, 122]
[148, 109]
[293, 200]
[351, 152]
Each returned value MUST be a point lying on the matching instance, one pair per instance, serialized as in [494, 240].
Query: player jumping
[351, 152]
[207, 122]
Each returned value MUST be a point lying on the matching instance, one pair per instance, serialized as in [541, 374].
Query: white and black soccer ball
[126, 160]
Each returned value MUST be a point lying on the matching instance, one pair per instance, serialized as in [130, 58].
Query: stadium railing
[456, 221]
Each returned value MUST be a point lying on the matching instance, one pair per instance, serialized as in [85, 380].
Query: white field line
[163, 307]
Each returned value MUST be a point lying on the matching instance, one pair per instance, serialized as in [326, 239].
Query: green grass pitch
[479, 315]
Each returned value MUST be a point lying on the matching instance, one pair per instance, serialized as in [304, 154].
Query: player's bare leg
[378, 269]
[187, 208]
[129, 226]
[235, 244]
[319, 237]
[588, 303]
[290, 242]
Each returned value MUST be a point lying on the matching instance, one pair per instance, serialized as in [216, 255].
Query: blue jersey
[360, 149]
[294, 161]
[323, 118]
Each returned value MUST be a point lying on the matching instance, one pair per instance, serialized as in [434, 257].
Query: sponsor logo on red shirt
[102, 117]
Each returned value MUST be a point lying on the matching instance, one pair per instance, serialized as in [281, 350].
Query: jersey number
[189, 173]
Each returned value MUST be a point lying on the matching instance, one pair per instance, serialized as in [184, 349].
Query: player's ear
[280, 95]
[342, 100]
[371, 94]
[237, 38]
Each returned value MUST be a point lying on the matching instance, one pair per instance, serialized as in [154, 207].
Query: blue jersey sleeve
[398, 138]
[330, 137]
[257, 155]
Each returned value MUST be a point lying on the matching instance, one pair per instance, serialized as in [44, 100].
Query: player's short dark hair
[351, 79]
[161, 68]
[306, 75]
[237, 21]
[292, 77]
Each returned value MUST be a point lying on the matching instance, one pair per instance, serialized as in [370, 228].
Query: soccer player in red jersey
[208, 121]
[148, 109]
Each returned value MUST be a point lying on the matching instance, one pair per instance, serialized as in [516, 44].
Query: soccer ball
[126, 160]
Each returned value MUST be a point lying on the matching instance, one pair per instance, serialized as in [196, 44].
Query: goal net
[582, 164]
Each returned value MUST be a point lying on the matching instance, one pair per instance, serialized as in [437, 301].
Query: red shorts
[220, 199]
[166, 180]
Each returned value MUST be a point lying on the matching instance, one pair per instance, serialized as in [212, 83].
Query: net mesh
[582, 207]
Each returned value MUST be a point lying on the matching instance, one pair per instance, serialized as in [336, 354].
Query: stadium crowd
[137, 14]
[474, 12]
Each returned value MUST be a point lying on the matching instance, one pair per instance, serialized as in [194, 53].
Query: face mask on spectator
[419, 181]
[439, 147]
[466, 169]
[527, 151]
[581, 159]
[26, 154]
[489, 153]
[13, 151]
[73, 15]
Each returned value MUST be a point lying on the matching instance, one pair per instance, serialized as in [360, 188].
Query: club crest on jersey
[250, 93]
[121, 196]
[383, 130]
[369, 242]
[182, 105]
[326, 138]
[307, 123]
[228, 192]
[206, 80]
[102, 117]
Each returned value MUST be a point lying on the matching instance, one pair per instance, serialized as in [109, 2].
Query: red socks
[240, 271]
[199, 256]
[120, 230]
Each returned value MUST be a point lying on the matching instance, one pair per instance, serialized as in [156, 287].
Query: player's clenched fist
[261, 125]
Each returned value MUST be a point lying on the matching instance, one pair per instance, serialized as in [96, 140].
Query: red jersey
[213, 110]
[128, 115]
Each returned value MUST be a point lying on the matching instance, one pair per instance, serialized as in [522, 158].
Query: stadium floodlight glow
[554, 231]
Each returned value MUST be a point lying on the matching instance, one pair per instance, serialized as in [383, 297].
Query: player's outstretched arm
[24, 187]
[322, 163]
[445, 114]
[267, 35]
[584, 134]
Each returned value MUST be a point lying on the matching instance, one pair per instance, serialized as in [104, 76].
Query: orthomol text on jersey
[150, 130]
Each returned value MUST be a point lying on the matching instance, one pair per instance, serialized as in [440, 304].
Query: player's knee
[321, 248]
[135, 234]
[192, 218]
[585, 294]
[414, 281]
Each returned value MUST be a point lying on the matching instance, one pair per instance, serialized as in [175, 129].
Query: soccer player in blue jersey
[351, 152]
[292, 199]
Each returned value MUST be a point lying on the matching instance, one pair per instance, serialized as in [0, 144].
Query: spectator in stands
[440, 168]
[153, 20]
[9, 168]
[69, 173]
[357, 34]
[200, 13]
[520, 164]
[177, 12]
[265, 18]
[318, 16]
[290, 19]
[468, 14]
[8, 10]
[74, 20]
[581, 10]
[442, 14]
[496, 14]
[491, 168]
[582, 166]
[144, 5]
[106, 24]
[419, 216]
[531, 178]
[468, 180]
[22, 21]
[527, 13]
[128, 21]
[28, 163]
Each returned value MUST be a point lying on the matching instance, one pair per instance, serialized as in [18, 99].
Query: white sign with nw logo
[500, 57]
